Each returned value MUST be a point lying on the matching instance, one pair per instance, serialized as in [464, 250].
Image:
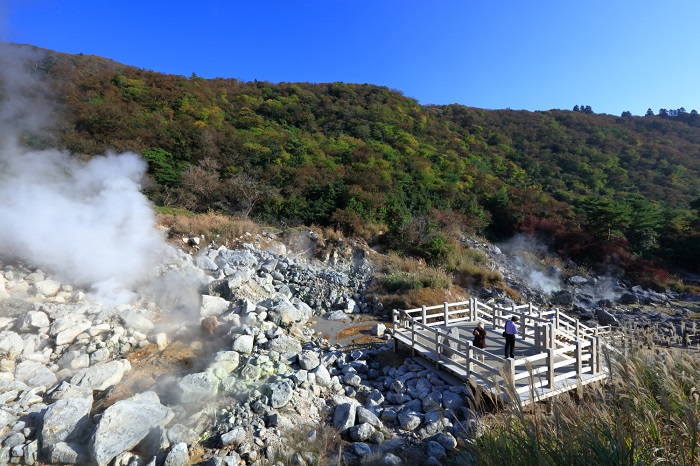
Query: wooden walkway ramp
[554, 353]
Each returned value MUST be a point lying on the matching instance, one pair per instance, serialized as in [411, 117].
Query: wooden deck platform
[550, 359]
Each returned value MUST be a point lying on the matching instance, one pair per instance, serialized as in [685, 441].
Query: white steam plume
[89, 224]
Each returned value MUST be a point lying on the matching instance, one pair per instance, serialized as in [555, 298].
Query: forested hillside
[371, 162]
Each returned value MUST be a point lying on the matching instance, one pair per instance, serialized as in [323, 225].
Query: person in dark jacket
[480, 338]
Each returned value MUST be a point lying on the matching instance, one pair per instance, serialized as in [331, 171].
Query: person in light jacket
[510, 332]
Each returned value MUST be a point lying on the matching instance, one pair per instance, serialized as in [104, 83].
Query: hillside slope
[367, 160]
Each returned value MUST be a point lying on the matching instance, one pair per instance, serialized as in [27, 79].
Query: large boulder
[284, 344]
[101, 376]
[65, 420]
[213, 306]
[34, 374]
[198, 387]
[126, 423]
[11, 343]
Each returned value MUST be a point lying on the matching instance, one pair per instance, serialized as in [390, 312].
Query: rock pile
[264, 389]
[268, 377]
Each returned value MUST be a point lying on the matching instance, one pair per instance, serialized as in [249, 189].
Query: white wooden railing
[564, 347]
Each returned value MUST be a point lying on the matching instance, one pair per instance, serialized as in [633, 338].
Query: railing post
[413, 338]
[496, 312]
[472, 309]
[550, 368]
[578, 354]
[556, 318]
[594, 355]
[578, 330]
[538, 337]
[552, 338]
[470, 354]
[445, 308]
[510, 370]
[424, 315]
[438, 349]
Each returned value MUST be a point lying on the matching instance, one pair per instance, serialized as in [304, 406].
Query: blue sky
[613, 55]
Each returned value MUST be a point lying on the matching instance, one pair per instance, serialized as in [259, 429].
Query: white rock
[47, 288]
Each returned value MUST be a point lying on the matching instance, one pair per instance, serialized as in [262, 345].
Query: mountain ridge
[367, 160]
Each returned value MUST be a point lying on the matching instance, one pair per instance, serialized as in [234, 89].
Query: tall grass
[646, 413]
[223, 229]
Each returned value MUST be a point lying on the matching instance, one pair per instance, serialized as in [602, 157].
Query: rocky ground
[258, 373]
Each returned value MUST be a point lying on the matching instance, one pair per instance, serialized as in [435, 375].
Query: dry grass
[321, 449]
[646, 413]
[216, 227]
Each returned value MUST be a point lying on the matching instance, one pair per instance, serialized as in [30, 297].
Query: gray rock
[378, 330]
[34, 374]
[66, 390]
[628, 298]
[562, 298]
[322, 376]
[179, 433]
[236, 258]
[213, 306]
[409, 420]
[135, 321]
[281, 393]
[451, 400]
[198, 387]
[101, 376]
[365, 415]
[124, 424]
[447, 440]
[47, 288]
[309, 360]
[338, 316]
[32, 321]
[205, 263]
[284, 344]
[11, 343]
[606, 318]
[435, 450]
[285, 313]
[234, 437]
[344, 416]
[577, 280]
[65, 453]
[65, 420]
[243, 344]
[178, 455]
[361, 432]
[6, 419]
[225, 362]
[13, 440]
[391, 459]
[361, 449]
[65, 330]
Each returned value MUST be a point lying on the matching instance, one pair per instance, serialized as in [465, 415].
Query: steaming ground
[88, 224]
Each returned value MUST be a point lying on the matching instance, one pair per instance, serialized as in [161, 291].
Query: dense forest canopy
[369, 161]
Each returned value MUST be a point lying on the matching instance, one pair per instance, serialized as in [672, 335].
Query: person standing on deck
[510, 332]
[480, 337]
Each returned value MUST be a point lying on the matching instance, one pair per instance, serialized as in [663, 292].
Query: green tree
[163, 166]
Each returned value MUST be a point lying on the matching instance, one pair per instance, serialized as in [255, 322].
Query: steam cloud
[89, 224]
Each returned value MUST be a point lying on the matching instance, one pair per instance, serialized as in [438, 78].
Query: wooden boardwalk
[554, 353]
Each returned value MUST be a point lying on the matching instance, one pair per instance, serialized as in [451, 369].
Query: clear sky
[614, 55]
